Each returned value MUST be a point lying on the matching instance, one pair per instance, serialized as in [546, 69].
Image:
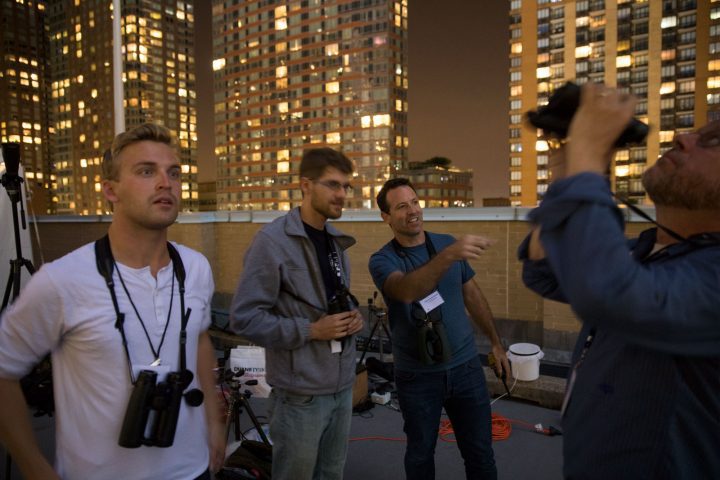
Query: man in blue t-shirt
[427, 284]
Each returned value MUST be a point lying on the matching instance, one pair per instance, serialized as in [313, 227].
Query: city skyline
[290, 76]
[665, 53]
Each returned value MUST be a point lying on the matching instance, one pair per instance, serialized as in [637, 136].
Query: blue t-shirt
[460, 333]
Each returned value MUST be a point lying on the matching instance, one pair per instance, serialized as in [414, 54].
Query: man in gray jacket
[293, 299]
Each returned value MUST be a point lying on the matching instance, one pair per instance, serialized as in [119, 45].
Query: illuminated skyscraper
[666, 52]
[23, 94]
[440, 185]
[159, 86]
[296, 74]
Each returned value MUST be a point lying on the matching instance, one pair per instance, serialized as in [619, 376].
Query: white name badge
[431, 302]
[335, 346]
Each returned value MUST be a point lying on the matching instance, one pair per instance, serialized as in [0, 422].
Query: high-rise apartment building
[23, 94]
[666, 52]
[159, 86]
[296, 74]
[440, 186]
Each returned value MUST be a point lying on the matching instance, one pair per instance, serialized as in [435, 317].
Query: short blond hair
[146, 131]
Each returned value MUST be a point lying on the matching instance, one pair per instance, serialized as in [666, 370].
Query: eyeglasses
[334, 185]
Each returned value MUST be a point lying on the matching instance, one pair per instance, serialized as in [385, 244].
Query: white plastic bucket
[525, 360]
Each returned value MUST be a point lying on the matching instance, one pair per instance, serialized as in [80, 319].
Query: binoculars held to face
[554, 118]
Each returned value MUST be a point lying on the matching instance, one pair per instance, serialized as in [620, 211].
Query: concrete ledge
[546, 391]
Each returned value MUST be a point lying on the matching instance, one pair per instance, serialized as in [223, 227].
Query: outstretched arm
[412, 286]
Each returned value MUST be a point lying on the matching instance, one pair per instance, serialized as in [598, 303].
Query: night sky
[458, 96]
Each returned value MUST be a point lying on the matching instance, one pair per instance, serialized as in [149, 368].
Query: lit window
[666, 136]
[667, 87]
[332, 87]
[218, 64]
[516, 48]
[281, 71]
[668, 22]
[381, 120]
[623, 61]
[543, 72]
[583, 51]
[713, 82]
[283, 167]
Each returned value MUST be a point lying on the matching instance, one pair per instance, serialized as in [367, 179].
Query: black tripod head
[11, 179]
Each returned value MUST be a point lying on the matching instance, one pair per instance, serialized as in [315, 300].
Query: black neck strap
[105, 264]
[399, 250]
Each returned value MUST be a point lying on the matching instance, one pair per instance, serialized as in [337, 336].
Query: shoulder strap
[104, 258]
[105, 264]
[177, 264]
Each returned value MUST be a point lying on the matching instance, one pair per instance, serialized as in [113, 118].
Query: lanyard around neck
[105, 264]
[156, 353]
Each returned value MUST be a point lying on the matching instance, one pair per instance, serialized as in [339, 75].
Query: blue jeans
[463, 393]
[309, 434]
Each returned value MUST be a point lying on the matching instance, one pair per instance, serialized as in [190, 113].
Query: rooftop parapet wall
[223, 237]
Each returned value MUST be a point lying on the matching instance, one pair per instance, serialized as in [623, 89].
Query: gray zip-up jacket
[281, 267]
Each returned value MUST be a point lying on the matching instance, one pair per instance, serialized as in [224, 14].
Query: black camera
[555, 117]
[163, 401]
[342, 301]
[432, 341]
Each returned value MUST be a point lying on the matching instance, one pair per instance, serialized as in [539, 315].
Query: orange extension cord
[501, 428]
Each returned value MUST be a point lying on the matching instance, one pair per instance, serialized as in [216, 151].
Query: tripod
[12, 182]
[238, 401]
[378, 314]
[252, 460]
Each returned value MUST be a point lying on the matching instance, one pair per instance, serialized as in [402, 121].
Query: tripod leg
[236, 420]
[28, 264]
[8, 288]
[387, 332]
[254, 420]
[17, 275]
[367, 344]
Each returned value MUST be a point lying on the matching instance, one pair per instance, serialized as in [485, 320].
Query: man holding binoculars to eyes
[102, 342]
[427, 284]
[293, 299]
[642, 400]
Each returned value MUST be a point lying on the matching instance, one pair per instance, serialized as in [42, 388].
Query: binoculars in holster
[432, 340]
[163, 399]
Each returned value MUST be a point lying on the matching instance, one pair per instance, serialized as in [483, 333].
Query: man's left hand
[356, 324]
